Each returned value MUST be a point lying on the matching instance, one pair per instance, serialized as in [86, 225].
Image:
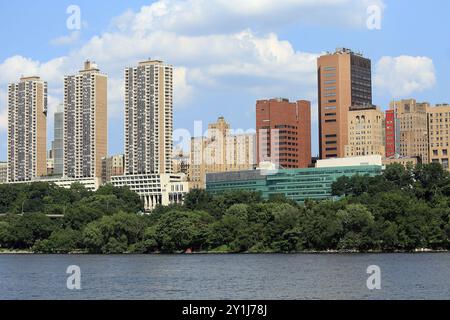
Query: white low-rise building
[91, 184]
[154, 189]
[373, 160]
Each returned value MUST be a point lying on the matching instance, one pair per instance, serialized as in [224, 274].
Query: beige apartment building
[438, 131]
[344, 79]
[365, 132]
[27, 129]
[112, 166]
[220, 151]
[85, 123]
[412, 117]
[148, 118]
[3, 172]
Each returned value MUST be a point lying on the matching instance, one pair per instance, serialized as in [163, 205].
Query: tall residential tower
[27, 125]
[85, 122]
[148, 118]
[344, 79]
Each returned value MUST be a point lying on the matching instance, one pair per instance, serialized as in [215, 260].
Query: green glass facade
[296, 184]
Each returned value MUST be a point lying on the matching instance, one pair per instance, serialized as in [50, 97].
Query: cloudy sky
[226, 53]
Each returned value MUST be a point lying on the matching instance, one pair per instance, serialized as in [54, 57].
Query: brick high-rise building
[283, 132]
[148, 118]
[344, 79]
[85, 123]
[27, 129]
[412, 117]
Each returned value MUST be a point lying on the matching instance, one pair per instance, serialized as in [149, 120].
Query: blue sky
[225, 58]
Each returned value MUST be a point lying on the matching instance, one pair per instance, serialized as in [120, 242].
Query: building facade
[220, 151]
[112, 166]
[148, 118]
[404, 161]
[392, 132]
[344, 79]
[58, 142]
[3, 172]
[181, 163]
[283, 131]
[85, 123]
[412, 117]
[155, 189]
[438, 132]
[365, 132]
[27, 129]
[296, 184]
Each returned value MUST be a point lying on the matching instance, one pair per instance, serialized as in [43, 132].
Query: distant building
[50, 163]
[365, 132]
[283, 132]
[155, 189]
[27, 129]
[220, 151]
[404, 161]
[413, 128]
[112, 166]
[438, 132]
[344, 79]
[296, 184]
[3, 172]
[85, 122]
[181, 163]
[58, 142]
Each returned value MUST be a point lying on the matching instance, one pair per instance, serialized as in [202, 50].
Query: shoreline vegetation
[402, 210]
[328, 252]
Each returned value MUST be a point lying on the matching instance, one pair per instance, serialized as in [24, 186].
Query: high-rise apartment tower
[148, 118]
[85, 122]
[27, 125]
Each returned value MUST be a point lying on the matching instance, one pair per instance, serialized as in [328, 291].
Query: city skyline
[233, 79]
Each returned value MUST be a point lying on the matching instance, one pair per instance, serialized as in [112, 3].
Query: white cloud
[72, 38]
[218, 16]
[404, 75]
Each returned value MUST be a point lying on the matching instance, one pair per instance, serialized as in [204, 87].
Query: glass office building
[296, 184]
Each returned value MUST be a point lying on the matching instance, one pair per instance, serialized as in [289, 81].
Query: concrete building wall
[375, 160]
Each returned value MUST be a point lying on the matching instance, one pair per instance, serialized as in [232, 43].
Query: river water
[246, 276]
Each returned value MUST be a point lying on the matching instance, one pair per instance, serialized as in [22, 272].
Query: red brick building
[391, 140]
[283, 131]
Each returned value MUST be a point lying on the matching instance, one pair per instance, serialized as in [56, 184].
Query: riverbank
[331, 252]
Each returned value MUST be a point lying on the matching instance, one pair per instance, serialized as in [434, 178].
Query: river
[210, 276]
